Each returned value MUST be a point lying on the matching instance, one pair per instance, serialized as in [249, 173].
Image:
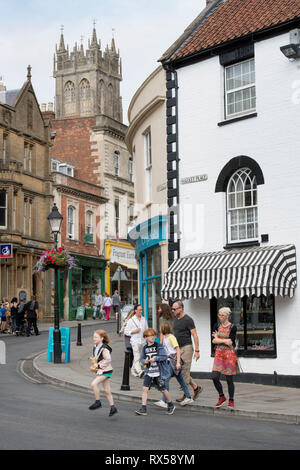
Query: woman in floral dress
[224, 336]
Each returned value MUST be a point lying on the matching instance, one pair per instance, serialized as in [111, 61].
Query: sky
[143, 31]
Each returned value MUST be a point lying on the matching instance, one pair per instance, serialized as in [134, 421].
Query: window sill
[236, 119]
[241, 244]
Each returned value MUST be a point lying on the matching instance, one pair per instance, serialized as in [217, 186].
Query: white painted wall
[272, 139]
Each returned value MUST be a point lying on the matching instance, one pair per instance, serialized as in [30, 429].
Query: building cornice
[61, 188]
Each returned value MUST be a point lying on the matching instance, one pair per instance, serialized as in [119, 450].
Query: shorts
[116, 308]
[3, 318]
[107, 374]
[157, 382]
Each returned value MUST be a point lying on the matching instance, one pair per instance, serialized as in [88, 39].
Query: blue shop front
[149, 240]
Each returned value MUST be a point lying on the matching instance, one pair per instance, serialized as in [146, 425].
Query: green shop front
[149, 241]
[86, 277]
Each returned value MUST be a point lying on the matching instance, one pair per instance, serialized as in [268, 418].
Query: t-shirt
[170, 344]
[182, 330]
[153, 370]
[116, 299]
[3, 311]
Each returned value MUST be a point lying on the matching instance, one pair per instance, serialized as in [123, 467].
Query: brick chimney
[208, 2]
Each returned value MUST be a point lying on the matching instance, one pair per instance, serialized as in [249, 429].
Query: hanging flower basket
[59, 259]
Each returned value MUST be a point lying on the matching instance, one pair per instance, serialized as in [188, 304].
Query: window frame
[245, 208]
[89, 214]
[251, 110]
[4, 227]
[116, 163]
[130, 169]
[71, 223]
[148, 163]
[117, 216]
[4, 147]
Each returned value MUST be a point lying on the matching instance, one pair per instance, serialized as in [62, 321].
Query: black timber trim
[241, 245]
[233, 165]
[172, 163]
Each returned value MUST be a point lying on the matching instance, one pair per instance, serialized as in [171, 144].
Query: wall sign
[122, 255]
[193, 179]
[6, 250]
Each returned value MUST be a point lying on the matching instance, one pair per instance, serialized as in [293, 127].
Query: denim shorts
[156, 382]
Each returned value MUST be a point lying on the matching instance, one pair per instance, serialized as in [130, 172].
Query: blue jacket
[161, 359]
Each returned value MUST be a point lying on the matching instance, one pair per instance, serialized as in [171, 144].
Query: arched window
[85, 96]
[84, 88]
[242, 219]
[101, 96]
[69, 95]
[71, 217]
[110, 100]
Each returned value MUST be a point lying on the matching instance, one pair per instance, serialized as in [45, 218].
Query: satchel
[94, 365]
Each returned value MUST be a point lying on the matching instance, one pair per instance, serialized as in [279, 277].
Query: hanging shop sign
[6, 250]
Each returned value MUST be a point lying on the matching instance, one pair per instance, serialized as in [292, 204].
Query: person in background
[127, 338]
[116, 299]
[98, 301]
[32, 315]
[20, 316]
[135, 329]
[184, 331]
[3, 315]
[225, 362]
[107, 303]
[164, 314]
[14, 313]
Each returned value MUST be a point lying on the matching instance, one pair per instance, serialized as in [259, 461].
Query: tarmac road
[41, 416]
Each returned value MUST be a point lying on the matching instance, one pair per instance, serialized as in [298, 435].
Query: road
[40, 416]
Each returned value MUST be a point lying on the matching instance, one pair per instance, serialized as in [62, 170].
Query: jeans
[32, 322]
[181, 382]
[97, 308]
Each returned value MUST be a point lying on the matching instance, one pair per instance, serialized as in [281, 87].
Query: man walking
[98, 301]
[135, 329]
[116, 299]
[184, 330]
[32, 311]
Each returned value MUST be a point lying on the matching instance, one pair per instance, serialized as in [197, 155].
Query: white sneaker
[161, 403]
[186, 401]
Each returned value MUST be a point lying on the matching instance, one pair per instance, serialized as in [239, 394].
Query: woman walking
[103, 369]
[107, 303]
[225, 362]
[164, 314]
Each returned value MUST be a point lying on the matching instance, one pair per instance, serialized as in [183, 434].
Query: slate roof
[231, 19]
[9, 96]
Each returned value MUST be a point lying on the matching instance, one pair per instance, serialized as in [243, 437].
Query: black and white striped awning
[237, 272]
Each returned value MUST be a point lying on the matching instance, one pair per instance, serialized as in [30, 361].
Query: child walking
[154, 356]
[103, 369]
[173, 351]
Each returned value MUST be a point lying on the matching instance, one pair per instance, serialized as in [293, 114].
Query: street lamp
[55, 220]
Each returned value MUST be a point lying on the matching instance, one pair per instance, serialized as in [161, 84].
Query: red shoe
[221, 401]
[230, 404]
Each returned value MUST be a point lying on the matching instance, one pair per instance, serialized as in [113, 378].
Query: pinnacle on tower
[62, 41]
[29, 72]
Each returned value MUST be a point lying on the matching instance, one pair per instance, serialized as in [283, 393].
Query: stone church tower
[90, 136]
[88, 82]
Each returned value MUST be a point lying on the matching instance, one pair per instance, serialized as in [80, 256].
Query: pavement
[261, 402]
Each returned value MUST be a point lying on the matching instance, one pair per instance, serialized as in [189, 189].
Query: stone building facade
[90, 134]
[26, 194]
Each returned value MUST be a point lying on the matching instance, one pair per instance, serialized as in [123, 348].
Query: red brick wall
[72, 144]
[78, 246]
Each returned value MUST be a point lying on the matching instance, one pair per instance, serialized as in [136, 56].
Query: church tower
[88, 82]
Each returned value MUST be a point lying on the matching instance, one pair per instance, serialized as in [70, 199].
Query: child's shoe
[95, 405]
[142, 412]
[113, 410]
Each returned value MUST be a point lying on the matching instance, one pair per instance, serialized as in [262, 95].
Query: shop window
[242, 206]
[3, 209]
[254, 318]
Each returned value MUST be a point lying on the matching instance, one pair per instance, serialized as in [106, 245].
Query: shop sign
[122, 255]
[194, 179]
[6, 250]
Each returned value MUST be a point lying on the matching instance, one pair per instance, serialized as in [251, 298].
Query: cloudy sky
[144, 29]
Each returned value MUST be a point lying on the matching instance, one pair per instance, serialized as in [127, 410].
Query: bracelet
[197, 350]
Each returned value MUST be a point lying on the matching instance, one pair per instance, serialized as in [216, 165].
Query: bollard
[125, 382]
[79, 343]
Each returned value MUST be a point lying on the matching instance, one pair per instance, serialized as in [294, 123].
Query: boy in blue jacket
[154, 356]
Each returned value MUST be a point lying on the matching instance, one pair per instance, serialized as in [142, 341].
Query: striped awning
[237, 272]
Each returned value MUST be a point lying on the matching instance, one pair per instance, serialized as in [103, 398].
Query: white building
[236, 145]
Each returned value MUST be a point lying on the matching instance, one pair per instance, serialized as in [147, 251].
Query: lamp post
[55, 220]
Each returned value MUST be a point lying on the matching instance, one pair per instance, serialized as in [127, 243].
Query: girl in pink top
[102, 351]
